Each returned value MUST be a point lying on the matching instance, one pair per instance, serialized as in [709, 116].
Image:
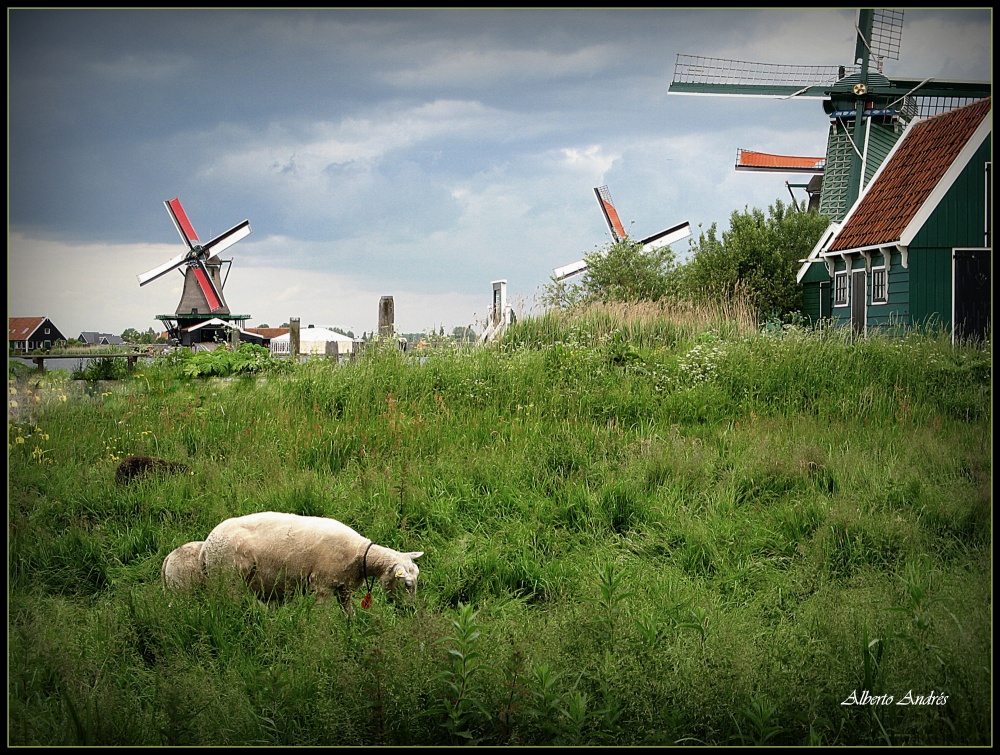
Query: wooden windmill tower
[202, 302]
[656, 241]
[856, 146]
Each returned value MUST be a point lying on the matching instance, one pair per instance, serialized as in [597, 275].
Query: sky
[420, 154]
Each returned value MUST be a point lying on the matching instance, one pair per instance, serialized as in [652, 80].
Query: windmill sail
[610, 213]
[666, 237]
[764, 162]
[181, 222]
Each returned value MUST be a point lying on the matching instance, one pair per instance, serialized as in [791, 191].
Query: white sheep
[181, 568]
[278, 554]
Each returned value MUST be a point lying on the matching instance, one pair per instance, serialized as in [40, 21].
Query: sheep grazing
[133, 467]
[279, 554]
[181, 568]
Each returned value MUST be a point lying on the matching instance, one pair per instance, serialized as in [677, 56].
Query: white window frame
[843, 276]
[883, 272]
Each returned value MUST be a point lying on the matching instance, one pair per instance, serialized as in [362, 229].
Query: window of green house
[880, 291]
[840, 289]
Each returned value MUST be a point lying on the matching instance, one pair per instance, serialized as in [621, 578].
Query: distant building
[205, 335]
[315, 341]
[26, 334]
[266, 334]
[93, 338]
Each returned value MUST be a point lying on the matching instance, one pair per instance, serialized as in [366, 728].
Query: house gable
[31, 333]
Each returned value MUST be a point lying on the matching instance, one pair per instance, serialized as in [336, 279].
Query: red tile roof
[906, 181]
[20, 328]
[269, 332]
[762, 161]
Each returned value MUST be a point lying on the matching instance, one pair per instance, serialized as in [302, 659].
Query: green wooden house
[914, 250]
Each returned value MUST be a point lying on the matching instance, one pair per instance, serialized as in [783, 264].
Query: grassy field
[641, 526]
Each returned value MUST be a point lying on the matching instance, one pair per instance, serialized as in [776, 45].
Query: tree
[463, 335]
[130, 335]
[758, 255]
[620, 271]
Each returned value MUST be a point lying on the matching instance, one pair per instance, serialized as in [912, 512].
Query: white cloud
[486, 66]
[593, 159]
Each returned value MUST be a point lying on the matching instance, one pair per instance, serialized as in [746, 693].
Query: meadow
[641, 525]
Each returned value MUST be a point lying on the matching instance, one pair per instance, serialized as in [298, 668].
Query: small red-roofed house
[26, 334]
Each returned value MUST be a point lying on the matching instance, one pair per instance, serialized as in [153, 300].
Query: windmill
[201, 301]
[656, 241]
[855, 146]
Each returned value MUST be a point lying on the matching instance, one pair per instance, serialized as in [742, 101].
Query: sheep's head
[401, 579]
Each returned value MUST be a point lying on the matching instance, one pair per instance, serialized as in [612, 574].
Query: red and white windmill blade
[196, 254]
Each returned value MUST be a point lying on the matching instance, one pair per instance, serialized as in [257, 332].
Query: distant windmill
[201, 298]
[656, 241]
[855, 146]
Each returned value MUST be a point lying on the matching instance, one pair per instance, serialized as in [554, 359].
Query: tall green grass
[641, 527]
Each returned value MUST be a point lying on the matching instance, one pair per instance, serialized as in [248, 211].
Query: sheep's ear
[415, 554]
[400, 572]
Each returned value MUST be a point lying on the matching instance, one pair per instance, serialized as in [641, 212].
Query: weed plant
[642, 526]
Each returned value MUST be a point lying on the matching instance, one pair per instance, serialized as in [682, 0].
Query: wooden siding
[896, 312]
[930, 287]
[880, 143]
[811, 291]
[833, 200]
[958, 221]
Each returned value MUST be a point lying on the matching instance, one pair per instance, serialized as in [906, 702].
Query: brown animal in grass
[134, 467]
